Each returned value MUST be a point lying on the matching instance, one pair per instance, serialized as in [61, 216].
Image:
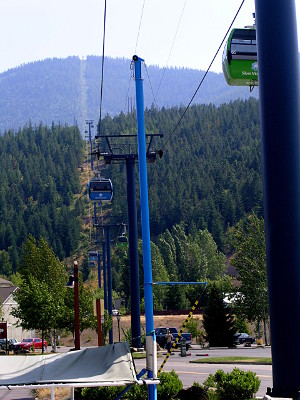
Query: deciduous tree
[248, 241]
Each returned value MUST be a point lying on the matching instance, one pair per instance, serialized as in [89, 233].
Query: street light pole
[76, 307]
[119, 319]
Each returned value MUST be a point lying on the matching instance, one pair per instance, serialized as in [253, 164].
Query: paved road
[191, 372]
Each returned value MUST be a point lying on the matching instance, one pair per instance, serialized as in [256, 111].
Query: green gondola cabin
[239, 61]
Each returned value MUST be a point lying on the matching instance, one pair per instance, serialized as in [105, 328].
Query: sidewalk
[16, 394]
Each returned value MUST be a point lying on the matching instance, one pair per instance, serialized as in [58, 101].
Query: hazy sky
[32, 30]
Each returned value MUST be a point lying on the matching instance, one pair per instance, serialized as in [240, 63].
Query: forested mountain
[68, 90]
[210, 173]
[39, 177]
[208, 179]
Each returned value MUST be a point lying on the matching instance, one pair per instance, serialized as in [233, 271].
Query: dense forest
[39, 177]
[208, 179]
[210, 174]
[68, 90]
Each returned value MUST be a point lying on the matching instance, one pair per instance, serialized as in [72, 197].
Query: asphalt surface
[16, 394]
[189, 372]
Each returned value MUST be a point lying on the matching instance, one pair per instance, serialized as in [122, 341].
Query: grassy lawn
[234, 360]
[138, 355]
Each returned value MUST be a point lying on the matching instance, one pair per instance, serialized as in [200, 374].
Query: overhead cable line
[137, 39]
[103, 48]
[164, 70]
[136, 44]
[196, 91]
[150, 84]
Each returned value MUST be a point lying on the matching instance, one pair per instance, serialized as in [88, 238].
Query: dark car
[242, 338]
[160, 334]
[11, 343]
[2, 344]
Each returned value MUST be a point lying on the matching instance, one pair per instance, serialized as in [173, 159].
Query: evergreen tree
[217, 320]
[5, 264]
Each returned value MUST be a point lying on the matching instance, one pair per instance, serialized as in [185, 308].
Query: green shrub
[101, 393]
[169, 385]
[137, 392]
[235, 385]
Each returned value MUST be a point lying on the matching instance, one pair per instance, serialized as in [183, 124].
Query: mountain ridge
[67, 91]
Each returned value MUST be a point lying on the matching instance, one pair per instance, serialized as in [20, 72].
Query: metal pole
[99, 270]
[90, 124]
[76, 307]
[104, 274]
[133, 255]
[152, 389]
[95, 213]
[98, 308]
[118, 319]
[278, 67]
[109, 282]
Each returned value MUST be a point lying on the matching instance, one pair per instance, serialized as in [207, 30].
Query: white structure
[7, 303]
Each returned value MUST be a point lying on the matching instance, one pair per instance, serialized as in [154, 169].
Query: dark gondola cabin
[93, 256]
[239, 61]
[100, 189]
[122, 241]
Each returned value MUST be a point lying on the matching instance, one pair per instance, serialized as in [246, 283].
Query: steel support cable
[138, 35]
[164, 70]
[150, 83]
[137, 39]
[102, 69]
[202, 80]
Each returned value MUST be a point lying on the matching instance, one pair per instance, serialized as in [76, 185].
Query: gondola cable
[170, 52]
[202, 80]
[150, 84]
[136, 44]
[102, 69]
[138, 35]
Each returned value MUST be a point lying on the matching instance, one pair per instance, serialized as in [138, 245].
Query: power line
[200, 84]
[103, 48]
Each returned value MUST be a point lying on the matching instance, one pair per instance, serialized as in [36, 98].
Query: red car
[30, 345]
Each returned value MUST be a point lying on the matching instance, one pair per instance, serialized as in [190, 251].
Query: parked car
[242, 338]
[11, 343]
[29, 345]
[2, 344]
[160, 334]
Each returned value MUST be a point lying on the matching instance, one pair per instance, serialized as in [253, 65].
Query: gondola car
[239, 61]
[93, 256]
[100, 189]
[122, 241]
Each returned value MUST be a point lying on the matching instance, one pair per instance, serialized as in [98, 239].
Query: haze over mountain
[67, 91]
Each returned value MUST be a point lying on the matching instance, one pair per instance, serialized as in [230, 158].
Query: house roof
[5, 283]
[5, 292]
